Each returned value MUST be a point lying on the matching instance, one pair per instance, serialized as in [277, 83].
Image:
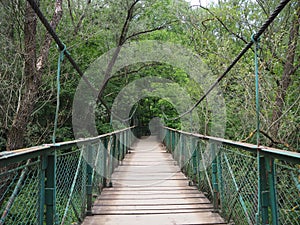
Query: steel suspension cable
[263, 28]
[60, 60]
[255, 38]
[55, 37]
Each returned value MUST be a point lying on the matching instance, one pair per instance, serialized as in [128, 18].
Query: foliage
[216, 33]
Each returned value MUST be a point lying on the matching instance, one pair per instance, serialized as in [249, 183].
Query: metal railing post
[263, 191]
[215, 178]
[50, 189]
[43, 166]
[190, 156]
[194, 161]
[124, 145]
[271, 172]
[220, 178]
[116, 150]
[112, 159]
[177, 148]
[120, 150]
[182, 153]
[125, 142]
[121, 146]
[198, 164]
[267, 190]
[114, 153]
[105, 162]
[89, 184]
[173, 143]
[168, 141]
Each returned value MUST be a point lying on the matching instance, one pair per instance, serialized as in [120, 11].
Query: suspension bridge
[118, 179]
[170, 177]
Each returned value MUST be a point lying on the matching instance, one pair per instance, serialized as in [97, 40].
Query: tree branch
[137, 70]
[260, 3]
[273, 141]
[288, 70]
[121, 41]
[76, 29]
[283, 114]
[224, 25]
[295, 69]
[149, 31]
[71, 13]
[125, 28]
[42, 59]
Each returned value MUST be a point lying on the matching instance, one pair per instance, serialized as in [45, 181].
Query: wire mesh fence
[20, 193]
[288, 175]
[70, 187]
[239, 178]
[229, 174]
[56, 184]
[238, 185]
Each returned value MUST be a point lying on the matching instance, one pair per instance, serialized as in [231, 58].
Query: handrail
[273, 152]
[253, 188]
[60, 178]
[8, 157]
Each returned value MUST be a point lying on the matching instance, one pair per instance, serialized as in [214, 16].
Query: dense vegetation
[216, 33]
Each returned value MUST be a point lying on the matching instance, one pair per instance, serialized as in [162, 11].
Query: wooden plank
[148, 188]
[152, 201]
[153, 196]
[160, 183]
[187, 193]
[152, 207]
[154, 188]
[147, 211]
[157, 219]
[153, 178]
[148, 169]
[118, 175]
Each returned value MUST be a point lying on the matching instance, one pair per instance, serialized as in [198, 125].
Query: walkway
[148, 188]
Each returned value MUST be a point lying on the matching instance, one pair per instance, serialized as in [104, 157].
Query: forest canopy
[90, 29]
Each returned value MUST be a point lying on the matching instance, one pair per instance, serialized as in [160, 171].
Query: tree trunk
[16, 133]
[288, 71]
[33, 71]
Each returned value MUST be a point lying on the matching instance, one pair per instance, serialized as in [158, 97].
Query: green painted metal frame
[50, 190]
[215, 183]
[268, 213]
[89, 184]
[47, 199]
[292, 157]
[105, 157]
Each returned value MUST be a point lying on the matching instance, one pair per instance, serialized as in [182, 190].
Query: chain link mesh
[288, 194]
[237, 178]
[21, 196]
[70, 187]
[238, 185]
[79, 174]
[19, 193]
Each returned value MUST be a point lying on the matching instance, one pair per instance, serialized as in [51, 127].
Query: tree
[92, 28]
[290, 66]
[33, 72]
[219, 36]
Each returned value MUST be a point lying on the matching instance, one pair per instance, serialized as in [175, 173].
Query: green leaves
[216, 34]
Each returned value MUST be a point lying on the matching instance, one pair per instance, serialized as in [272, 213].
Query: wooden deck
[149, 189]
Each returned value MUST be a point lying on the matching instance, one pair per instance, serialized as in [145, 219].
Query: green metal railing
[56, 184]
[246, 184]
